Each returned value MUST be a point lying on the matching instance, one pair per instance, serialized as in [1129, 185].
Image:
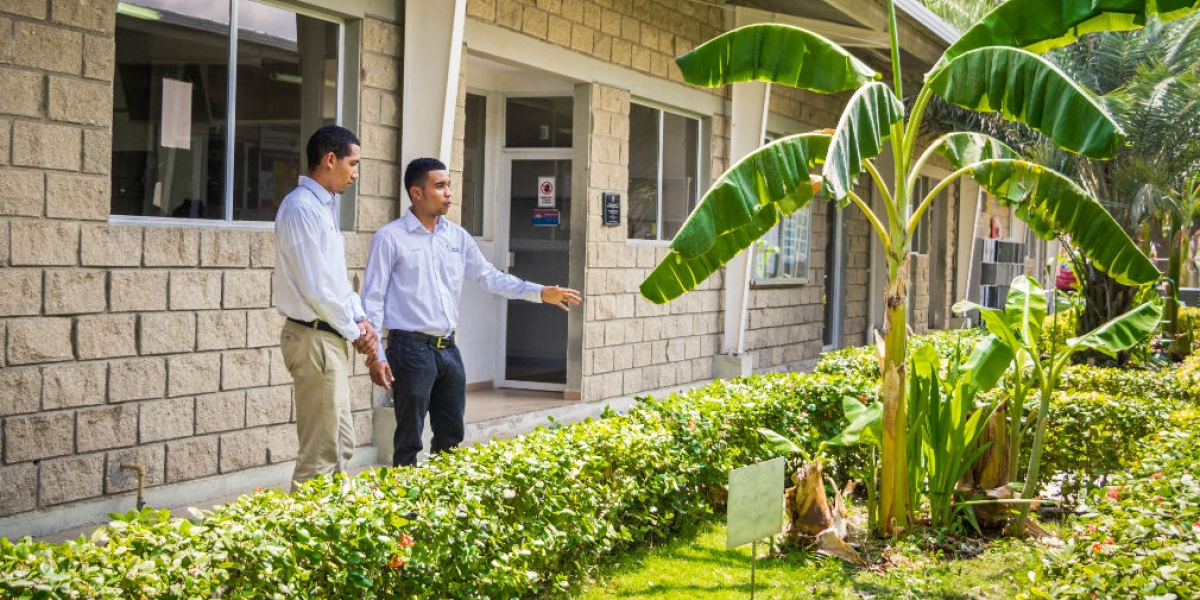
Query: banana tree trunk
[1180, 339]
[893, 488]
[1030, 486]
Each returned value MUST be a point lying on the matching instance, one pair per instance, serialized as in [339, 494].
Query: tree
[991, 68]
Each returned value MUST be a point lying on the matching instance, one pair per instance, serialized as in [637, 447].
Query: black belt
[318, 325]
[435, 341]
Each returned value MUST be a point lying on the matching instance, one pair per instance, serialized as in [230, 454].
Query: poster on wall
[545, 192]
[176, 114]
[546, 217]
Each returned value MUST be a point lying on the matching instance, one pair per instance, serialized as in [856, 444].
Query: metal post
[753, 559]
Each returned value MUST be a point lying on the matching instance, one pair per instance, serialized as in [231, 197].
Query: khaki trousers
[320, 366]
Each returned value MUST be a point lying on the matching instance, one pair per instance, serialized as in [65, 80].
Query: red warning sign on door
[545, 192]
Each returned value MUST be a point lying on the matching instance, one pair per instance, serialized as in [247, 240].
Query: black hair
[415, 172]
[329, 138]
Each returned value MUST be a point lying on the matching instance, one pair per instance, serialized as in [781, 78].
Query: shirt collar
[325, 196]
[412, 223]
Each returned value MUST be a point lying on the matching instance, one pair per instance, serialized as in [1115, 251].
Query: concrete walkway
[490, 414]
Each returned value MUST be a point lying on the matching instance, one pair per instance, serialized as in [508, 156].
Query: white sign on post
[545, 192]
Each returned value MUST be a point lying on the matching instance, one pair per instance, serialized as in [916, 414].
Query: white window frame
[700, 173]
[755, 256]
[345, 101]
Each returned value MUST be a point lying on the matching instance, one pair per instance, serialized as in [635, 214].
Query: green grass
[699, 566]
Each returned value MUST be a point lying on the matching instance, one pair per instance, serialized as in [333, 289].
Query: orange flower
[406, 541]
[396, 562]
[1114, 493]
[1158, 475]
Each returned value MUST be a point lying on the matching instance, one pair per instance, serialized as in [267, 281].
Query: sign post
[755, 507]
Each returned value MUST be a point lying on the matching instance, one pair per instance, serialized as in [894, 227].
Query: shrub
[1139, 537]
[512, 518]
[862, 361]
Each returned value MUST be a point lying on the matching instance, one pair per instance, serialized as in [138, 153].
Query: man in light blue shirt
[324, 315]
[412, 286]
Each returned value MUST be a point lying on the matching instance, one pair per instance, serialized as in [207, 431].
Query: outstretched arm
[561, 296]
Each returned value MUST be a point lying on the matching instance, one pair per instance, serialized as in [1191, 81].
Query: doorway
[534, 347]
[835, 278]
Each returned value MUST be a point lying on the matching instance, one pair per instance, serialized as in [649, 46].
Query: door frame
[503, 221]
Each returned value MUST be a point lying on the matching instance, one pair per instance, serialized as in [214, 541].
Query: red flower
[1108, 542]
[1096, 547]
[396, 562]
[1158, 475]
[1114, 492]
[406, 541]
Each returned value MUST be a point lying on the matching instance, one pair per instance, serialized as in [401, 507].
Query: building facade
[145, 145]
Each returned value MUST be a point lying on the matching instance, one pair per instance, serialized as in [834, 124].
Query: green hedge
[1139, 537]
[513, 518]
[862, 361]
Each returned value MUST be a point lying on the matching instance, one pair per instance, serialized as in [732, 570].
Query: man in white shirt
[324, 315]
[412, 286]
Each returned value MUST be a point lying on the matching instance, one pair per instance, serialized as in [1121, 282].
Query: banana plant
[993, 67]
[1013, 342]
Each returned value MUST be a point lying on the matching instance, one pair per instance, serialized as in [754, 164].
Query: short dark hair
[329, 138]
[415, 172]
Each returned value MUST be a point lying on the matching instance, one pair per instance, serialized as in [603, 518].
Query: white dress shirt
[414, 277]
[310, 261]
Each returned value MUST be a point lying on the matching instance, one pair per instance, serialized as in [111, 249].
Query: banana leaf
[775, 54]
[965, 148]
[1026, 88]
[1122, 332]
[988, 362]
[1051, 204]
[1040, 25]
[1025, 309]
[865, 124]
[743, 204]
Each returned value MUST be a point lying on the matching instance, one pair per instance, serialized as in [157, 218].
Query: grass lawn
[699, 566]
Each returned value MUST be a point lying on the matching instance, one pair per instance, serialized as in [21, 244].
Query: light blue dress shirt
[310, 278]
[414, 277]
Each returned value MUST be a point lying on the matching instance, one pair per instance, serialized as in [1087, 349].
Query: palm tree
[991, 68]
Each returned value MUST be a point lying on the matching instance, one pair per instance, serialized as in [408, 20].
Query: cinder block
[247, 289]
[27, 8]
[382, 37]
[279, 372]
[23, 92]
[47, 146]
[80, 101]
[224, 411]
[282, 443]
[44, 243]
[268, 406]
[195, 290]
[74, 291]
[70, 479]
[262, 249]
[167, 419]
[136, 379]
[20, 292]
[99, 54]
[137, 290]
[104, 245]
[220, 330]
[380, 72]
[20, 391]
[224, 248]
[152, 459]
[22, 192]
[31, 41]
[243, 449]
[19, 492]
[194, 374]
[96, 15]
[167, 333]
[39, 436]
[76, 384]
[5, 132]
[105, 336]
[106, 427]
[172, 247]
[192, 458]
[263, 327]
[381, 143]
[245, 369]
[83, 197]
[39, 340]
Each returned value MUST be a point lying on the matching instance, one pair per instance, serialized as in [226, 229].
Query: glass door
[539, 235]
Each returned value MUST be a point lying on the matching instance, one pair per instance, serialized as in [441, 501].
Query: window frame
[703, 131]
[757, 281]
[346, 111]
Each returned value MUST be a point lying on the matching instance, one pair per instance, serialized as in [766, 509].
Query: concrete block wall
[138, 343]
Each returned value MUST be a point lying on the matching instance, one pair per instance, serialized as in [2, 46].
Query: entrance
[835, 277]
[539, 235]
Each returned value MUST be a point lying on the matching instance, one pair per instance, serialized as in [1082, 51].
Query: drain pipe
[141, 476]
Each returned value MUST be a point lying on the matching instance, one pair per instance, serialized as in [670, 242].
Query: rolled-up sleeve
[300, 233]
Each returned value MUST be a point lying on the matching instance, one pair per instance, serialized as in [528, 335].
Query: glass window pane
[783, 252]
[286, 89]
[538, 122]
[169, 101]
[680, 171]
[643, 173]
[471, 190]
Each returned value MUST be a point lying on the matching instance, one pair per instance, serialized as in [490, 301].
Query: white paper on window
[177, 114]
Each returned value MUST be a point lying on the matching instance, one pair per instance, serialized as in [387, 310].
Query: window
[176, 97]
[782, 254]
[923, 234]
[664, 172]
[474, 152]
